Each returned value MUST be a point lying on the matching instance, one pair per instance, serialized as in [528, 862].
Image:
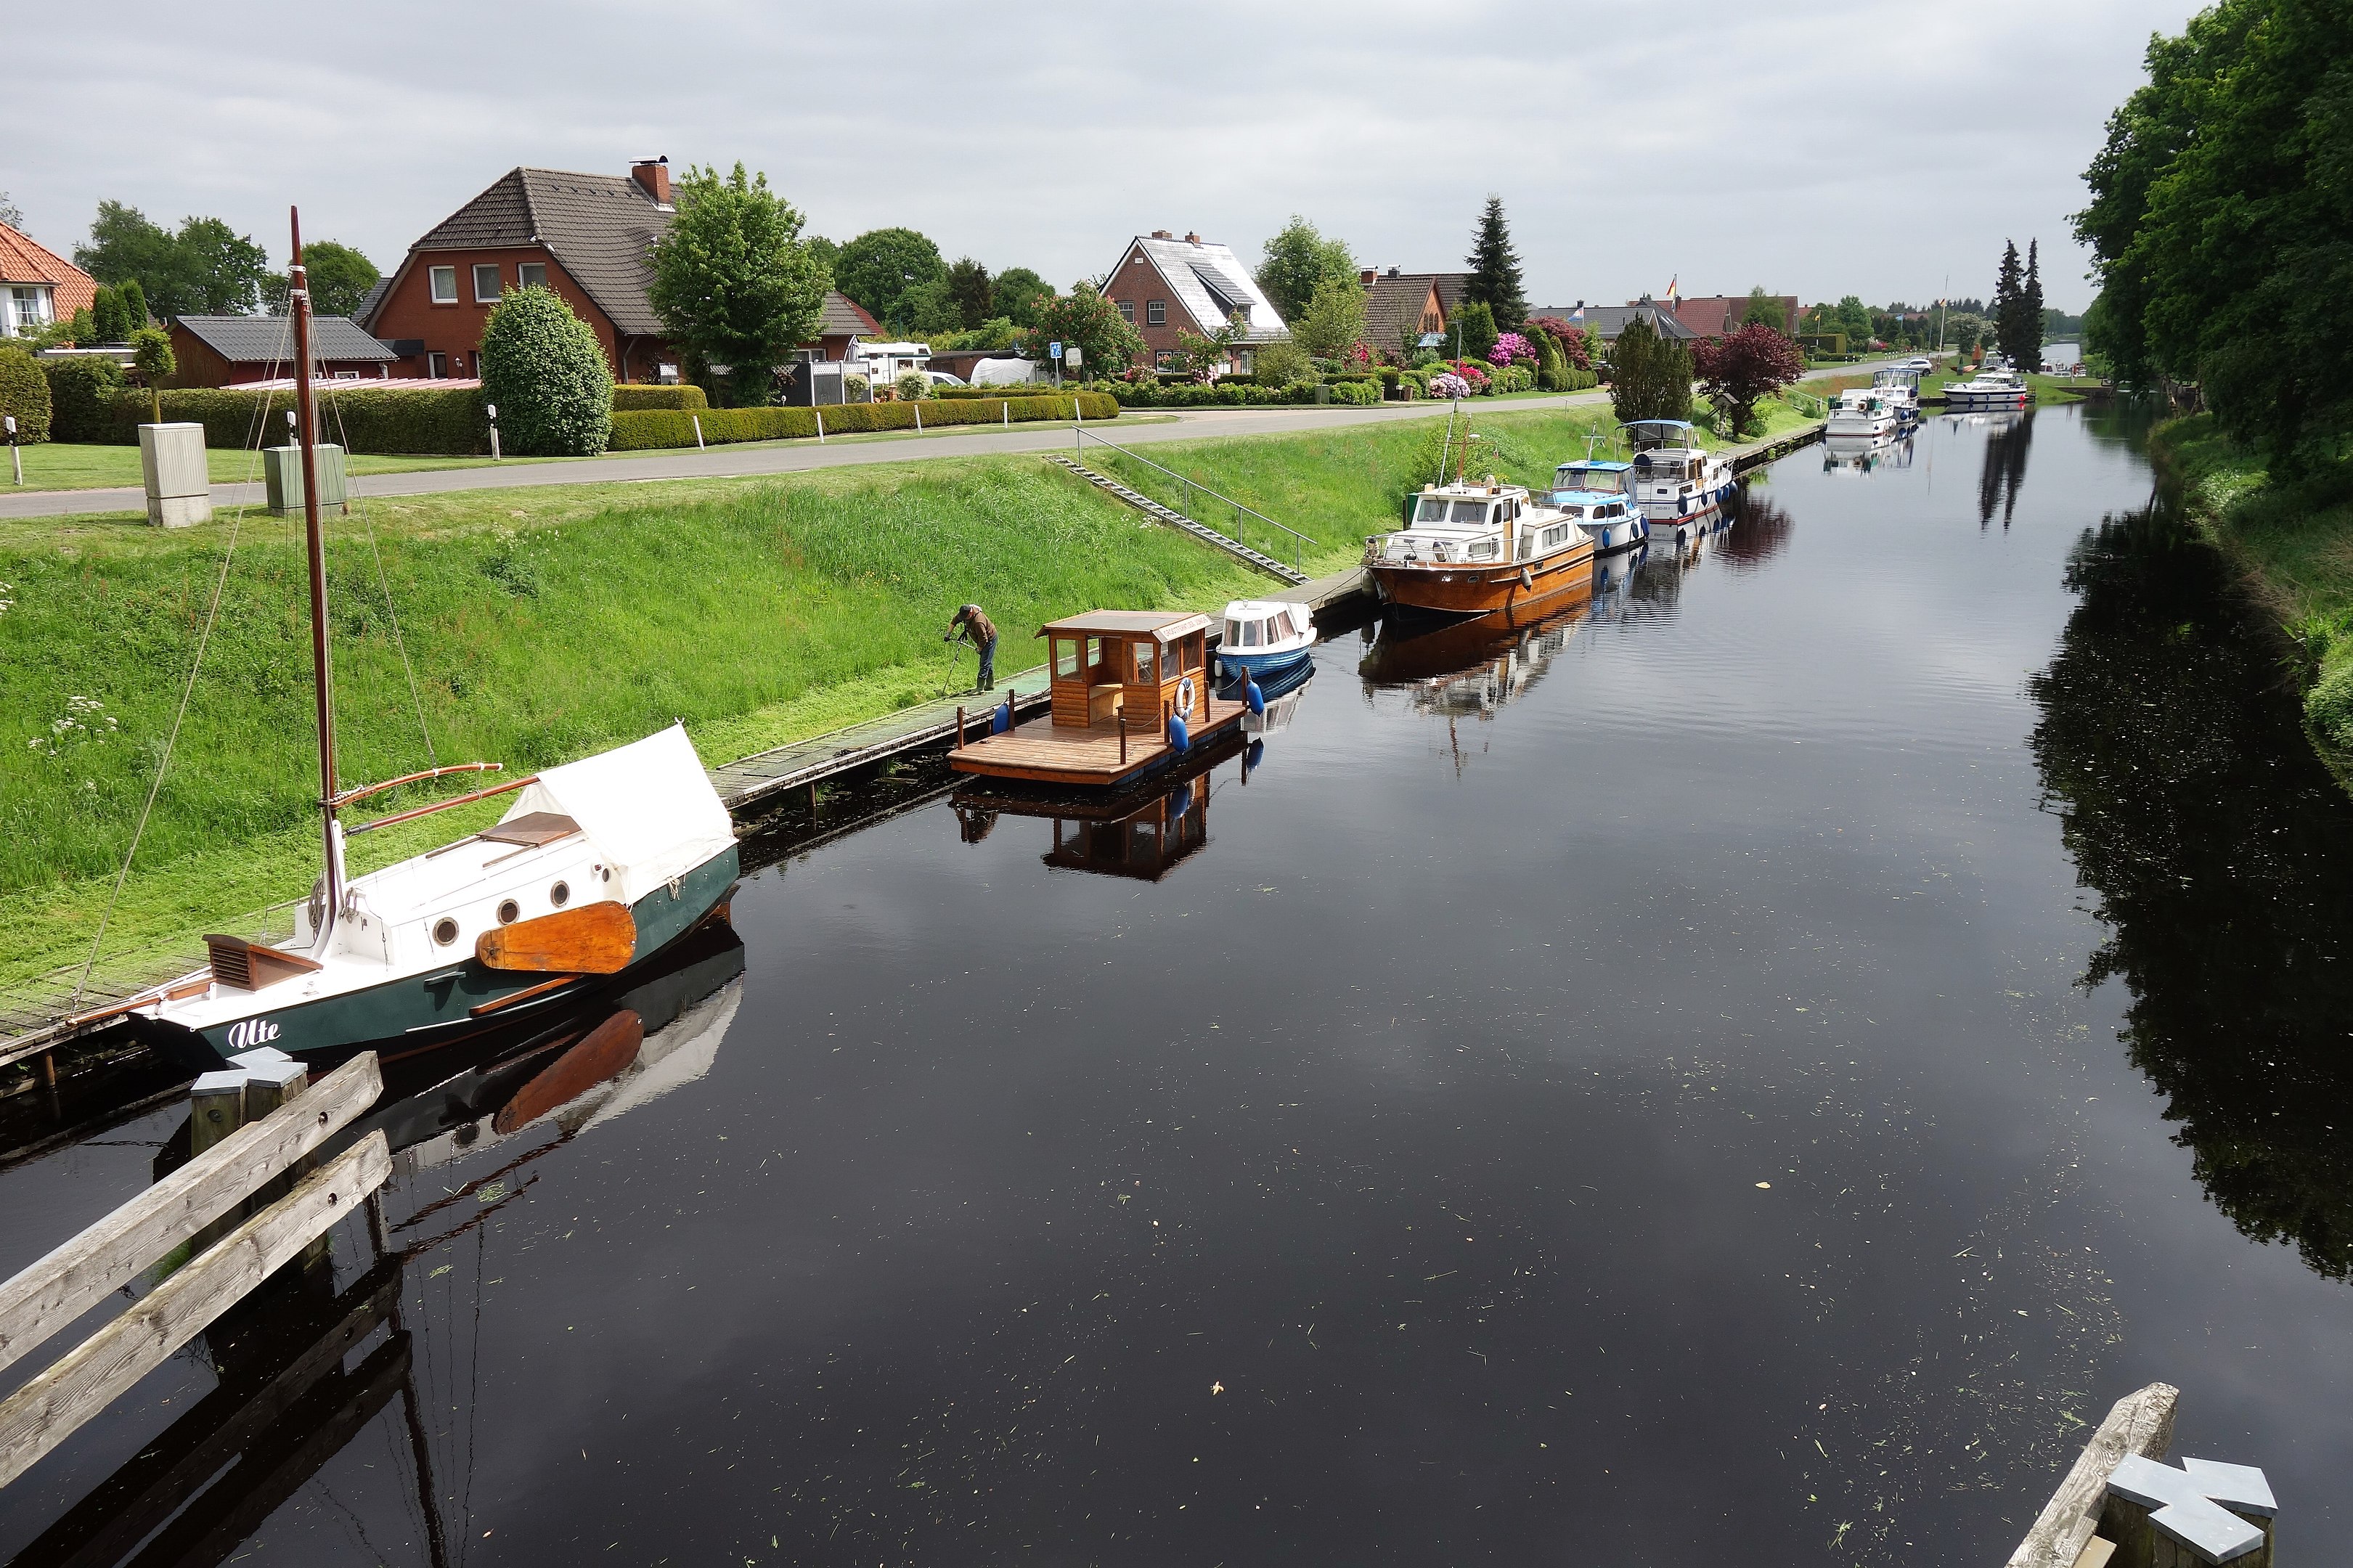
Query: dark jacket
[976, 625]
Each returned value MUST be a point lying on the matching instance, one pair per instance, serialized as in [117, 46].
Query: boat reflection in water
[284, 1402]
[1149, 835]
[1862, 454]
[1471, 666]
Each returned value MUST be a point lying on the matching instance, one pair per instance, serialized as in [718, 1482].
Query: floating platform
[1094, 756]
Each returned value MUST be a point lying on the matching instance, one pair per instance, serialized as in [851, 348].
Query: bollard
[821, 426]
[215, 1109]
[919, 417]
[698, 431]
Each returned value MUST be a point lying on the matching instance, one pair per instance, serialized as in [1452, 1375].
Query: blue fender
[1001, 719]
[1179, 739]
[1257, 758]
[1253, 696]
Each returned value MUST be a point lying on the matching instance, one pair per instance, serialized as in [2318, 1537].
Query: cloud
[1814, 148]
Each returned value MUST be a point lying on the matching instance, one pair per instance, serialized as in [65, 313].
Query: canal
[1747, 1071]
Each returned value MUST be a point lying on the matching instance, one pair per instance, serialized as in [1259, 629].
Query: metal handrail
[1191, 485]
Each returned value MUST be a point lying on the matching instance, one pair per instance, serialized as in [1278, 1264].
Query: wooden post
[1122, 716]
[959, 746]
[216, 1109]
[46, 1411]
[812, 802]
[48, 1059]
[2140, 1423]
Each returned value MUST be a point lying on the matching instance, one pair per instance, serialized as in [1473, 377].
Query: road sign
[1070, 355]
[1055, 350]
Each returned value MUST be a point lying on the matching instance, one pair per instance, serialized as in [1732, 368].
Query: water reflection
[1863, 454]
[2004, 473]
[2220, 852]
[1471, 666]
[1764, 530]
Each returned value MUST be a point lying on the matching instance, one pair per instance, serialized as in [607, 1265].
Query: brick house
[1718, 315]
[221, 351]
[588, 236]
[1400, 306]
[1164, 286]
[37, 286]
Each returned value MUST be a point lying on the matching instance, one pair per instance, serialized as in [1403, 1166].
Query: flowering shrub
[1471, 370]
[1449, 384]
[1512, 348]
[1359, 355]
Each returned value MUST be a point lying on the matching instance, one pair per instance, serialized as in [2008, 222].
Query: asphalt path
[803, 457]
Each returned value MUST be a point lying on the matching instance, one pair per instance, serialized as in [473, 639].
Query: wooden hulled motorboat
[1479, 547]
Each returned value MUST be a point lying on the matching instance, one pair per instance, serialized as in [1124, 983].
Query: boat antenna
[1448, 444]
[306, 417]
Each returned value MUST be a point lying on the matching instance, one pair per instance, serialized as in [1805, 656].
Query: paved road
[733, 462]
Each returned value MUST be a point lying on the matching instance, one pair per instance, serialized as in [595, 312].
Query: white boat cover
[648, 807]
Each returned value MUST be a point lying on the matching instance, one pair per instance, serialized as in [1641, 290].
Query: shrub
[1448, 385]
[396, 421]
[629, 395]
[637, 430]
[25, 393]
[911, 386]
[83, 393]
[1357, 392]
[541, 367]
[856, 388]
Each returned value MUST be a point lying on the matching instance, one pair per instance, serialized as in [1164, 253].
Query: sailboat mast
[306, 433]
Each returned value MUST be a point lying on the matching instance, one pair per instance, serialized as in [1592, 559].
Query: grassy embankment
[66, 466]
[546, 624]
[2294, 544]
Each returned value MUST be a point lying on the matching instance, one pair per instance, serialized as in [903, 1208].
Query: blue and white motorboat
[1263, 635]
[1900, 384]
[1681, 489]
[1593, 495]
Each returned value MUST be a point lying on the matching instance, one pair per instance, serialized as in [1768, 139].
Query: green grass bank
[543, 625]
[2293, 544]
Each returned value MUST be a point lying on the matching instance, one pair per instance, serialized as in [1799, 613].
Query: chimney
[1162, 234]
[1192, 239]
[1366, 277]
[652, 175]
[1393, 271]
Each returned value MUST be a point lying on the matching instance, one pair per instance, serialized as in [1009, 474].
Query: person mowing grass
[976, 628]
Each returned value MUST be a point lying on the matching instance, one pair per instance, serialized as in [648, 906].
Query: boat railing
[1193, 487]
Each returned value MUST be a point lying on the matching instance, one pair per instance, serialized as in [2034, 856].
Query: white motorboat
[1680, 488]
[1594, 495]
[1996, 388]
[1900, 384]
[1263, 635]
[1863, 413]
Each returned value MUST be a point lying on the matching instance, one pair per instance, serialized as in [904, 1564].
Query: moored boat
[1995, 388]
[1476, 547]
[1862, 414]
[1900, 384]
[1593, 494]
[1263, 635]
[1680, 488]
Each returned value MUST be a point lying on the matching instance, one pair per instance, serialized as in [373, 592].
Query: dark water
[1746, 1072]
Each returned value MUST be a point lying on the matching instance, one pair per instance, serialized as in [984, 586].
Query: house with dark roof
[1608, 321]
[1718, 315]
[588, 236]
[37, 286]
[1164, 286]
[1400, 307]
[222, 351]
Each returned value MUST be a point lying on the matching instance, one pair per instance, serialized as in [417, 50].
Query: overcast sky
[1816, 147]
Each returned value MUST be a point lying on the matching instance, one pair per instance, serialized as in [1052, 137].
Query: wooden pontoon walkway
[1041, 751]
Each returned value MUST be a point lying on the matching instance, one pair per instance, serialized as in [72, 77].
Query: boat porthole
[508, 910]
[560, 894]
[608, 873]
[445, 930]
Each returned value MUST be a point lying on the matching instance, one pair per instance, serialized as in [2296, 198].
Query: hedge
[652, 429]
[408, 422]
[629, 395]
[1216, 394]
[25, 393]
[82, 396]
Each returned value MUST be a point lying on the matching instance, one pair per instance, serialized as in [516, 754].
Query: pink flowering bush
[1510, 348]
[1448, 384]
[1471, 370]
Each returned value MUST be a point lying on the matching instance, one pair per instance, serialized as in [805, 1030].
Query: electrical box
[282, 470]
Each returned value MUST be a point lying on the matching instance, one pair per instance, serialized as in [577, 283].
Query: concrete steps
[1177, 519]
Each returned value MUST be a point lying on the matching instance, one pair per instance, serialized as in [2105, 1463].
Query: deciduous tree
[1298, 260]
[882, 267]
[340, 278]
[544, 371]
[1107, 343]
[1765, 311]
[1334, 321]
[1739, 370]
[733, 283]
[1019, 293]
[204, 268]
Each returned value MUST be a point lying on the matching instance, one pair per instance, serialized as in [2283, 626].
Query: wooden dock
[1102, 754]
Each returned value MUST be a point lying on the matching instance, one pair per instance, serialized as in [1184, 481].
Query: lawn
[66, 466]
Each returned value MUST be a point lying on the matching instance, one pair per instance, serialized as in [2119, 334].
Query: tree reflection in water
[1760, 529]
[2222, 854]
[2005, 468]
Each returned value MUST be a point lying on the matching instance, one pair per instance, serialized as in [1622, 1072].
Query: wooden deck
[1040, 752]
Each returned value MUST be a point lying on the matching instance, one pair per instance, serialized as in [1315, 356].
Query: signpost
[1055, 350]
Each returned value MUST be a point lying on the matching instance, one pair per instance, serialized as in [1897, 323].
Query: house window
[438, 365]
[531, 275]
[485, 283]
[1127, 311]
[1163, 359]
[28, 311]
[445, 284]
[1155, 314]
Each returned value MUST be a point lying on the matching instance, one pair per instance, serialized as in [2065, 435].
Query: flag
[1577, 317]
[1671, 287]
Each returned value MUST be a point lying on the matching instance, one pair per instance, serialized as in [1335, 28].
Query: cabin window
[1189, 653]
[1146, 665]
[445, 284]
[1066, 658]
[485, 283]
[1482, 551]
[1469, 512]
[1573, 510]
[1433, 509]
[531, 275]
[1283, 627]
[1528, 544]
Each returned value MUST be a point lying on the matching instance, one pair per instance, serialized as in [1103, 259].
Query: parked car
[942, 378]
[1920, 363]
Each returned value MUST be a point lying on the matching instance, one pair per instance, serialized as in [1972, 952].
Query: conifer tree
[2009, 297]
[2031, 310]
[1495, 280]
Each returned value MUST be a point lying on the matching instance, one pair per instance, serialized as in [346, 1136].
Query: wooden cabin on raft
[1119, 678]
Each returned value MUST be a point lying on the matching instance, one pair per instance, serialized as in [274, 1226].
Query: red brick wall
[408, 311]
[1139, 286]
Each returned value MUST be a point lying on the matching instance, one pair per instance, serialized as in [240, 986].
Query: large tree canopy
[733, 283]
[205, 269]
[2220, 215]
[1019, 293]
[1297, 260]
[1495, 280]
[883, 267]
[340, 278]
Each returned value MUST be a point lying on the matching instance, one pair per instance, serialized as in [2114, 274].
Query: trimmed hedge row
[630, 396]
[409, 423]
[1215, 394]
[652, 429]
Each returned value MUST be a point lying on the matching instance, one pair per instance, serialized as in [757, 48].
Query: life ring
[1185, 695]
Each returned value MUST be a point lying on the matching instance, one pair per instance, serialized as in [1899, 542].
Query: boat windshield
[1438, 508]
[1602, 481]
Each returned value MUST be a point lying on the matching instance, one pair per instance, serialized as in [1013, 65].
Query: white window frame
[1127, 311]
[433, 277]
[437, 367]
[524, 270]
[1156, 312]
[498, 282]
